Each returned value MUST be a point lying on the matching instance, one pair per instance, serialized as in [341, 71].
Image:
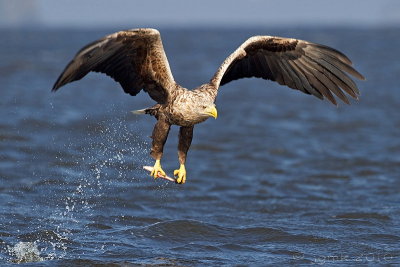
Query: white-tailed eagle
[136, 59]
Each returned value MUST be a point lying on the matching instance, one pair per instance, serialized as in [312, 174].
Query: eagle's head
[192, 107]
[203, 102]
[208, 109]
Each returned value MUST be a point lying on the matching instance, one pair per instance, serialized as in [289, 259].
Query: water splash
[24, 252]
[109, 153]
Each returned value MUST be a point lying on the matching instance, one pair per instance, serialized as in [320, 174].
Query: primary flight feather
[136, 59]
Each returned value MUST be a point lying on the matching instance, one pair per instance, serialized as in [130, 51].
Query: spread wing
[134, 58]
[311, 68]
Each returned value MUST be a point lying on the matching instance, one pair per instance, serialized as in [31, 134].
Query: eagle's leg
[185, 139]
[159, 136]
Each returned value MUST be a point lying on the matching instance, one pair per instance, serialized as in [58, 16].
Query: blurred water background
[280, 177]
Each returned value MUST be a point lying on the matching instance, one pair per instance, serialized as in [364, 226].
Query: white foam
[25, 252]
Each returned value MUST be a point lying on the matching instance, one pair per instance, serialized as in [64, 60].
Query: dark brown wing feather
[311, 68]
[134, 58]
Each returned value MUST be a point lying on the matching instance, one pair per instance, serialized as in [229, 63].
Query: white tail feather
[139, 111]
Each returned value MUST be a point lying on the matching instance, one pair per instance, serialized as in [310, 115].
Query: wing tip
[55, 87]
[57, 84]
[356, 74]
[333, 101]
[346, 100]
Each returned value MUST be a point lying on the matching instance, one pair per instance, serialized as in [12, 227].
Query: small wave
[239, 248]
[331, 175]
[197, 248]
[384, 238]
[43, 235]
[4, 234]
[13, 137]
[90, 262]
[194, 231]
[178, 230]
[265, 234]
[99, 226]
[137, 220]
[362, 215]
[50, 182]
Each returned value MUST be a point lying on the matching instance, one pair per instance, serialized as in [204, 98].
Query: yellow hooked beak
[212, 112]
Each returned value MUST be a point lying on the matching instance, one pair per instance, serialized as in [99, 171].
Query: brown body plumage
[136, 59]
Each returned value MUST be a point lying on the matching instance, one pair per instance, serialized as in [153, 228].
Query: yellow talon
[157, 170]
[181, 174]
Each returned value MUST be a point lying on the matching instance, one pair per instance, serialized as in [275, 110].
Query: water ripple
[279, 179]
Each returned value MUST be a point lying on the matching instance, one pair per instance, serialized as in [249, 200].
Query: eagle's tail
[139, 111]
[153, 111]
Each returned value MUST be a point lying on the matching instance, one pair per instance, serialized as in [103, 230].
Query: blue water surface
[279, 178]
